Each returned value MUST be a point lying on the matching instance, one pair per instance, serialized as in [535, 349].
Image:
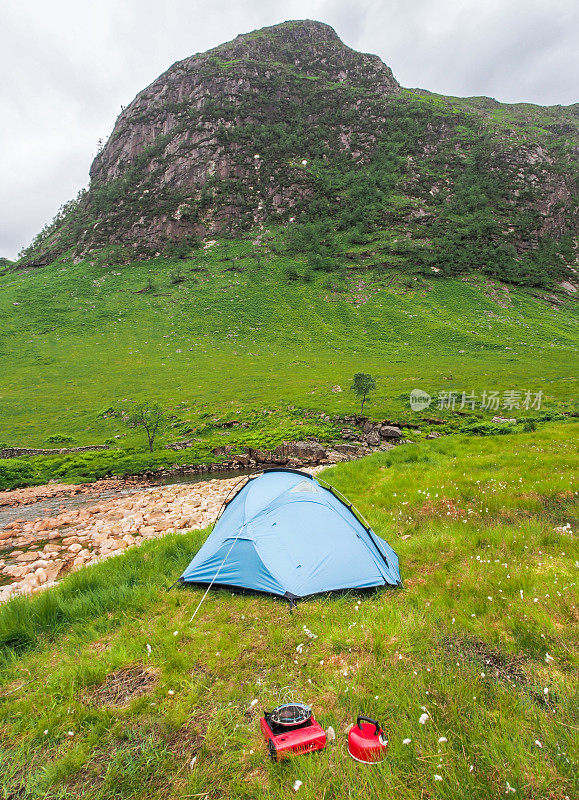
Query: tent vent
[307, 486]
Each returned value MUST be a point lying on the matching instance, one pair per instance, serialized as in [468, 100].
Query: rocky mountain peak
[172, 139]
[288, 124]
[294, 32]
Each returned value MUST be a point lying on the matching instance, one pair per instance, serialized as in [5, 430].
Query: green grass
[236, 337]
[490, 592]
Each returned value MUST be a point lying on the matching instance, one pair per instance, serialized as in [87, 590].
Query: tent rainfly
[285, 534]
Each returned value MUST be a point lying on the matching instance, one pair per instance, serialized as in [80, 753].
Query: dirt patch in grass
[123, 685]
[199, 670]
[187, 741]
[498, 665]
[91, 776]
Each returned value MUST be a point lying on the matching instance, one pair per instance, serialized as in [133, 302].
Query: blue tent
[286, 534]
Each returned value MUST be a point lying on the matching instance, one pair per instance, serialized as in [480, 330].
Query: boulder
[15, 571]
[30, 582]
[352, 450]
[303, 452]
[373, 438]
[70, 540]
[223, 450]
[41, 575]
[260, 456]
[26, 557]
[53, 570]
[390, 432]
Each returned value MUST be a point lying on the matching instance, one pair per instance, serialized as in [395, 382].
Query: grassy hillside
[240, 328]
[107, 691]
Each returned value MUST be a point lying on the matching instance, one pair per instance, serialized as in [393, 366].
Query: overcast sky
[67, 66]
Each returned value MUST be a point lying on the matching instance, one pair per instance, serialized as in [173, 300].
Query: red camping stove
[284, 741]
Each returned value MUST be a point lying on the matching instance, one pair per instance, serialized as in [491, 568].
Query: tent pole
[217, 573]
[353, 508]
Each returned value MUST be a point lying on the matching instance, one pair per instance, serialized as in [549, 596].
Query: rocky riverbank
[40, 546]
[35, 553]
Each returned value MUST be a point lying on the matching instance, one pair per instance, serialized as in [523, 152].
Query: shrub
[488, 428]
[59, 438]
[176, 276]
[15, 472]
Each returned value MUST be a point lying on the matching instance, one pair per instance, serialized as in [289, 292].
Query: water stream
[51, 506]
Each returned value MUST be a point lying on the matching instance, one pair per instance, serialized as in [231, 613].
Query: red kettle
[366, 741]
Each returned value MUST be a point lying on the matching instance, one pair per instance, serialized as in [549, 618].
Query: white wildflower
[510, 789]
[538, 743]
[423, 718]
[297, 785]
[442, 740]
[192, 762]
[149, 649]
[438, 777]
[548, 658]
[406, 741]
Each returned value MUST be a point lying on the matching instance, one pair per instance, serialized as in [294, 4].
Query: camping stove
[284, 741]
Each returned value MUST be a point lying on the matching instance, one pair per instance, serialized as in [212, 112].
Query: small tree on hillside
[149, 416]
[362, 386]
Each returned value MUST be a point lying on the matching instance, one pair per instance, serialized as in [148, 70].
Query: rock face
[217, 142]
[288, 123]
